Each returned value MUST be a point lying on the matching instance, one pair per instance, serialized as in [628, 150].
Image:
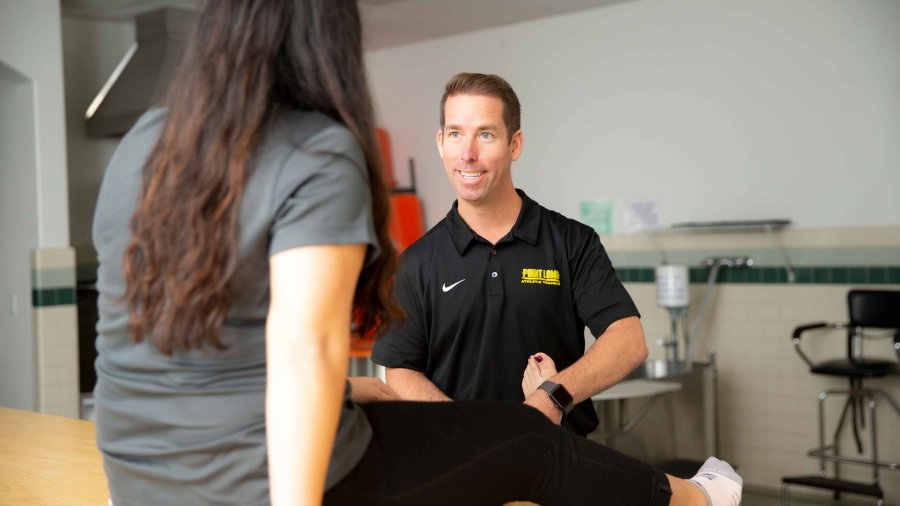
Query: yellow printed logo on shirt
[533, 276]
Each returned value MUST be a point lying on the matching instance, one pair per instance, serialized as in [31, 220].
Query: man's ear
[516, 144]
[440, 143]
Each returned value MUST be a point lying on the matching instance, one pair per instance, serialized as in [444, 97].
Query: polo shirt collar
[526, 228]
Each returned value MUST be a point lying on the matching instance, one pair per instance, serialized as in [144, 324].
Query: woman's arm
[307, 349]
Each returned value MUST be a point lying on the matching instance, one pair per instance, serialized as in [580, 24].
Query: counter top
[637, 388]
[49, 460]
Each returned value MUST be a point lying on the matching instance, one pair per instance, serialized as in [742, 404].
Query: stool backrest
[874, 308]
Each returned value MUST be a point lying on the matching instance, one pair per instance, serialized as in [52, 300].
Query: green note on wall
[598, 214]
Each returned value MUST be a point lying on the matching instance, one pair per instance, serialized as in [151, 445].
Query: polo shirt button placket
[495, 283]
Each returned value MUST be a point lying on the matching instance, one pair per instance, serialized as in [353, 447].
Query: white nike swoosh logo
[448, 288]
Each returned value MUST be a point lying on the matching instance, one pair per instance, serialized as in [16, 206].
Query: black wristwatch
[559, 395]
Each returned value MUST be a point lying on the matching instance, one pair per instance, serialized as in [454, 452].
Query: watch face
[562, 396]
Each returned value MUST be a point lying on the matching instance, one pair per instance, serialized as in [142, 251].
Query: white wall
[33, 174]
[30, 42]
[717, 110]
[18, 234]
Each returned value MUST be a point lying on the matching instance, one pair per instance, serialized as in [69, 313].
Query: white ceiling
[387, 22]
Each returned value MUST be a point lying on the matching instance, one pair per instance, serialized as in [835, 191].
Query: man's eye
[487, 136]
[453, 134]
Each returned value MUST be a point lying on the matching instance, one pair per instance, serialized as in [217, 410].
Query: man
[502, 283]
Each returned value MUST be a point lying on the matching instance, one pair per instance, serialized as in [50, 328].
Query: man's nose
[469, 151]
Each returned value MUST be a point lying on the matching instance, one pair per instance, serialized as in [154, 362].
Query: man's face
[476, 149]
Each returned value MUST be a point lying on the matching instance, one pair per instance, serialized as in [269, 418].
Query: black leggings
[488, 453]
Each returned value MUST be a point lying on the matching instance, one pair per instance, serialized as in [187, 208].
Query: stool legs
[859, 400]
[857, 395]
[837, 432]
[871, 403]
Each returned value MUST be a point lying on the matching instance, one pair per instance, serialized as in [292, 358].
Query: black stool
[870, 309]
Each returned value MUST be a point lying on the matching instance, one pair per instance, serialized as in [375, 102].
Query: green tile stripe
[764, 257]
[852, 275]
[46, 297]
[52, 286]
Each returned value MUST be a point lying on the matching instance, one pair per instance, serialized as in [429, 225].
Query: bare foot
[539, 369]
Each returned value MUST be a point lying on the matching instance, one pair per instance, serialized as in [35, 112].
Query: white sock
[718, 481]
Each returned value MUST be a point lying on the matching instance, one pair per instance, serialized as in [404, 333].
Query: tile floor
[753, 496]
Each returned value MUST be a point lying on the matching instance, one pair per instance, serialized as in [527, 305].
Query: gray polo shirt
[190, 428]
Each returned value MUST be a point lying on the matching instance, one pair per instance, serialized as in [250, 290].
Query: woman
[236, 229]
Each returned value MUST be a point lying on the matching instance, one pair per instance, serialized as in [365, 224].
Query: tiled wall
[55, 331]
[768, 397]
[877, 275]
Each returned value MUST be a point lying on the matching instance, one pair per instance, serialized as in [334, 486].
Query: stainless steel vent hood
[142, 78]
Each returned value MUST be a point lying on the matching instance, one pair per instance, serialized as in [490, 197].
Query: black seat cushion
[861, 368]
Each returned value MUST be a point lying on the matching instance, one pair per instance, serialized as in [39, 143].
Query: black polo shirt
[476, 311]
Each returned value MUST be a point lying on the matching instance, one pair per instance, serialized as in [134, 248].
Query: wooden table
[49, 460]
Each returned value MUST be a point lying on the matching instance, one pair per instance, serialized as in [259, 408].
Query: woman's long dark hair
[247, 60]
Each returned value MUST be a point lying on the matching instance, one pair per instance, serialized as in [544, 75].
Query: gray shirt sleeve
[327, 202]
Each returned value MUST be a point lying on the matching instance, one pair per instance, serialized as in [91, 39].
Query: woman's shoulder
[315, 133]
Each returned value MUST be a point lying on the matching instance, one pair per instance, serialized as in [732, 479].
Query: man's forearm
[413, 386]
[612, 356]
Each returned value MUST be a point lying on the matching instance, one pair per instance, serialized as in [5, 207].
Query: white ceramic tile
[56, 337]
[51, 258]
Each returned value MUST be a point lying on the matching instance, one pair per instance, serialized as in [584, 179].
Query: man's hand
[539, 369]
[365, 390]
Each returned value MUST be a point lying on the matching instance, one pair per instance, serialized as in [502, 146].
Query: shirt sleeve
[404, 345]
[600, 297]
[324, 199]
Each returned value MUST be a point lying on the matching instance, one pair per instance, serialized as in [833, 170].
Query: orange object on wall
[384, 146]
[406, 225]
[361, 346]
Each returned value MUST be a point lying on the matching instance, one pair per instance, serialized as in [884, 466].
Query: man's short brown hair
[466, 83]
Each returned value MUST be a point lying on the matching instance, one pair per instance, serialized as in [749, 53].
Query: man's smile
[470, 175]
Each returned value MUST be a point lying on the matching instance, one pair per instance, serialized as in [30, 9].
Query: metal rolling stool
[878, 309]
